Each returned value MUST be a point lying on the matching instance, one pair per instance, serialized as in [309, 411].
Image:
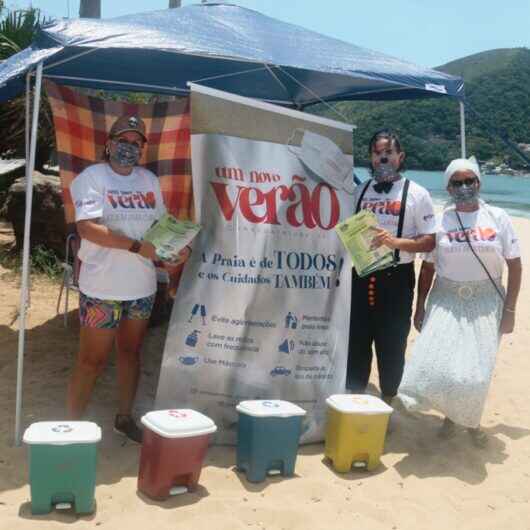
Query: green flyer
[356, 234]
[170, 235]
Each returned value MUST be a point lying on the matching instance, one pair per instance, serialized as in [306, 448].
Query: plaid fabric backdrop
[81, 126]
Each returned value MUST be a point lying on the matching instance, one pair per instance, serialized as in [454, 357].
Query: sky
[427, 32]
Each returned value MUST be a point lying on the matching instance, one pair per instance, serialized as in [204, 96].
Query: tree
[90, 9]
[174, 3]
[17, 30]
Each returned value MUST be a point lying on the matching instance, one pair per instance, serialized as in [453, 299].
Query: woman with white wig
[468, 309]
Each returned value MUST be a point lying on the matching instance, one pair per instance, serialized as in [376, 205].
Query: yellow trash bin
[355, 430]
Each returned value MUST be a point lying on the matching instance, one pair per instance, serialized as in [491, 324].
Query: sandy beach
[424, 483]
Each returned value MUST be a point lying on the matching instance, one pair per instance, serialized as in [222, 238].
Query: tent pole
[277, 79]
[462, 130]
[28, 108]
[30, 165]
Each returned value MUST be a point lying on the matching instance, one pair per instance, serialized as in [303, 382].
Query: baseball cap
[128, 123]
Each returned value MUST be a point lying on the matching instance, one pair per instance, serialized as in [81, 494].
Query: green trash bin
[267, 437]
[62, 465]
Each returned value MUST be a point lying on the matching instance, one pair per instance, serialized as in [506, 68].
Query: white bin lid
[178, 423]
[358, 404]
[265, 408]
[62, 433]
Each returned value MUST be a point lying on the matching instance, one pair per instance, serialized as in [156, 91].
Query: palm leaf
[17, 31]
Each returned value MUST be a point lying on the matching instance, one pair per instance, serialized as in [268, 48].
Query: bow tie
[383, 187]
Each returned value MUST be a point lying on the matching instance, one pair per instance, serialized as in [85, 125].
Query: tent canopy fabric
[221, 46]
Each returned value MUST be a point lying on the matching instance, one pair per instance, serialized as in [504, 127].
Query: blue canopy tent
[218, 45]
[222, 46]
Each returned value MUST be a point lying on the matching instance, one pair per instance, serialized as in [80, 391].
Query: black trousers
[381, 310]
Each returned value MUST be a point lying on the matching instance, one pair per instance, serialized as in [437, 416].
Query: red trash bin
[173, 449]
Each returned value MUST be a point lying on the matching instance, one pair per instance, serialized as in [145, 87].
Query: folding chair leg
[66, 307]
[57, 309]
[70, 275]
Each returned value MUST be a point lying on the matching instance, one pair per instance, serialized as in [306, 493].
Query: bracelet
[508, 310]
[135, 247]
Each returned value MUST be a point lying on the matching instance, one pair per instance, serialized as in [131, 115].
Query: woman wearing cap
[381, 303]
[116, 201]
[468, 310]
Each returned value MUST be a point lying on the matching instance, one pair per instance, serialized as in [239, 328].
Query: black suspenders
[361, 197]
[401, 219]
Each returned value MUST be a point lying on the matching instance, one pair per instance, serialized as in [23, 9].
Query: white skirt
[452, 360]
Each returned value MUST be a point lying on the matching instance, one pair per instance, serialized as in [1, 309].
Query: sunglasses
[459, 183]
[122, 141]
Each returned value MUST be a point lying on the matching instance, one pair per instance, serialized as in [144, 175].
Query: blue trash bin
[268, 436]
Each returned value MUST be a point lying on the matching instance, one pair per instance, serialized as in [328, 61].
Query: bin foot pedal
[63, 506]
[178, 490]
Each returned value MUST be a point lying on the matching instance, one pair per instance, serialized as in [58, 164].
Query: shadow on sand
[50, 352]
[49, 356]
[427, 455]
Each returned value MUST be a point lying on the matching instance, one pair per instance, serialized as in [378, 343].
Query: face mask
[464, 194]
[385, 172]
[325, 158]
[126, 154]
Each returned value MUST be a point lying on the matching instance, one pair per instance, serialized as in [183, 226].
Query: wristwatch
[135, 247]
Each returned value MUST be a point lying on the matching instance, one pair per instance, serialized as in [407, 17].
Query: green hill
[479, 64]
[497, 86]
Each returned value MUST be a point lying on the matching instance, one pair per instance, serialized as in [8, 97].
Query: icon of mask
[325, 158]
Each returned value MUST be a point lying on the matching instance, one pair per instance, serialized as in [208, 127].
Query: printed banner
[262, 310]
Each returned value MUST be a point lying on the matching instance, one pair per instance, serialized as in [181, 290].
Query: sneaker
[478, 437]
[126, 426]
[447, 430]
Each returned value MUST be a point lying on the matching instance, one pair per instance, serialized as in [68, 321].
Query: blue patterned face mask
[385, 172]
[126, 154]
[464, 194]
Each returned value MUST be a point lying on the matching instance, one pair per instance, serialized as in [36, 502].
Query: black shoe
[478, 437]
[126, 426]
[447, 430]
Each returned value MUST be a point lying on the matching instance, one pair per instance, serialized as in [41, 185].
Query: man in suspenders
[381, 303]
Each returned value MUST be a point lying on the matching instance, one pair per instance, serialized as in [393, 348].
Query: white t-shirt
[419, 211]
[127, 205]
[491, 233]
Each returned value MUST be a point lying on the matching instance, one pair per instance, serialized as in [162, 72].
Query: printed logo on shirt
[386, 207]
[427, 217]
[132, 199]
[474, 234]
[85, 202]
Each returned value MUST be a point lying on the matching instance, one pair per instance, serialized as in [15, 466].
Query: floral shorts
[106, 314]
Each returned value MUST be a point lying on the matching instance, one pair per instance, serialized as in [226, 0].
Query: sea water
[509, 192]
